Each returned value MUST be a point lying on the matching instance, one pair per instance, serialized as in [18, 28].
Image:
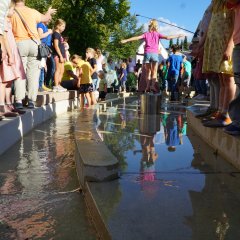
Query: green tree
[170, 43]
[185, 43]
[89, 22]
[126, 29]
[177, 42]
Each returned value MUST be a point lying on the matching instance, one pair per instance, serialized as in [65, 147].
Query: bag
[43, 50]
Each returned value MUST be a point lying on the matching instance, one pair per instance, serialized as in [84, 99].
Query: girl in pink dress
[10, 70]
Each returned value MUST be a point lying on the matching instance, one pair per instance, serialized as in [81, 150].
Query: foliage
[126, 29]
[185, 43]
[89, 22]
[170, 43]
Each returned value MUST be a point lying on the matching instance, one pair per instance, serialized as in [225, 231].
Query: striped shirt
[4, 5]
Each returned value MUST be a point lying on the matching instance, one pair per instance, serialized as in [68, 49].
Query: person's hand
[181, 35]
[123, 41]
[61, 60]
[52, 11]
[227, 54]
[50, 31]
[10, 60]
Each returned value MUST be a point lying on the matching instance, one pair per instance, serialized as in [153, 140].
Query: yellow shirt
[68, 67]
[86, 73]
[32, 17]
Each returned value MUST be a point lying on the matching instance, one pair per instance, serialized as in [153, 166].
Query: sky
[183, 13]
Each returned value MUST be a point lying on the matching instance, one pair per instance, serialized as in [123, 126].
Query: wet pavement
[39, 196]
[172, 185]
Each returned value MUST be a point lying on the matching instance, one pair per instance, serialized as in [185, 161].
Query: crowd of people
[215, 53]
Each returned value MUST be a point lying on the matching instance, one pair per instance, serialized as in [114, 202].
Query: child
[175, 64]
[102, 85]
[10, 70]
[66, 47]
[123, 77]
[90, 53]
[86, 87]
[187, 72]
[151, 38]
[58, 54]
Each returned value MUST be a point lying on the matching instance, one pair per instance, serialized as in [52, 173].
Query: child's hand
[61, 60]
[123, 41]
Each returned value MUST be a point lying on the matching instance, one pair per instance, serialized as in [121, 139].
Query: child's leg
[148, 72]
[8, 92]
[92, 99]
[57, 71]
[154, 67]
[81, 100]
[88, 97]
[61, 72]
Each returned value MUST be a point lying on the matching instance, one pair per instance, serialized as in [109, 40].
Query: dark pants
[49, 77]
[201, 86]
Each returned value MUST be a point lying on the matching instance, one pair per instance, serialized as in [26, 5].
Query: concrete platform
[223, 144]
[48, 105]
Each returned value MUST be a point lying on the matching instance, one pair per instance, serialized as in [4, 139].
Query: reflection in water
[37, 177]
[195, 191]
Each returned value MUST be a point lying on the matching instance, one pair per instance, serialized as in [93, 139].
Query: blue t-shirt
[47, 40]
[172, 132]
[175, 61]
[124, 72]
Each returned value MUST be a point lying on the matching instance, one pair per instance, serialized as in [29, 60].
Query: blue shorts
[150, 57]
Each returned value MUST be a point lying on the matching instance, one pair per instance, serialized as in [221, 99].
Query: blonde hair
[153, 25]
[59, 22]
[92, 51]
[124, 65]
[75, 56]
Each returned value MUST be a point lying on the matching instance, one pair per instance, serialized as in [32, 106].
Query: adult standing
[218, 49]
[27, 38]
[4, 5]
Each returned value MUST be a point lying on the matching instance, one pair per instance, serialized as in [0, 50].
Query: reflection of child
[102, 85]
[173, 134]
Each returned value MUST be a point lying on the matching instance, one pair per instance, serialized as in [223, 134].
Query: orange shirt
[31, 17]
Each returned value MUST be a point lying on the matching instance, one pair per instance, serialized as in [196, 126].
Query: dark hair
[175, 48]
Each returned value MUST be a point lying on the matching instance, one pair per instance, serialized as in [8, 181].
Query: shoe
[205, 114]
[233, 129]
[10, 114]
[18, 105]
[222, 121]
[31, 105]
[62, 88]
[44, 88]
[211, 117]
[59, 89]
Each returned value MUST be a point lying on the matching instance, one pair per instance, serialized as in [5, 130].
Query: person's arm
[173, 36]
[48, 15]
[132, 39]
[42, 34]
[8, 50]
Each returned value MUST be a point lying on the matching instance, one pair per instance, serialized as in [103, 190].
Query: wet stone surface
[172, 184]
[39, 197]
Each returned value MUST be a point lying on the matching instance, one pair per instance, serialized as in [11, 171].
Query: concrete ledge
[13, 129]
[224, 144]
[46, 98]
[94, 161]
